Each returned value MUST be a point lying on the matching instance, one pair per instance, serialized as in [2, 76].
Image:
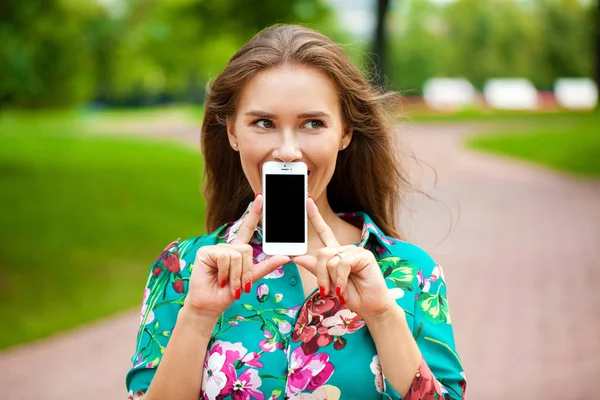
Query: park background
[100, 113]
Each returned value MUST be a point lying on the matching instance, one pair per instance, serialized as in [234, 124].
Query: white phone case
[280, 168]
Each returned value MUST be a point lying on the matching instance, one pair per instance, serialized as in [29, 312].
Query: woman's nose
[288, 150]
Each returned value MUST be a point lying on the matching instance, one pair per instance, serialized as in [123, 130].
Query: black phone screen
[284, 213]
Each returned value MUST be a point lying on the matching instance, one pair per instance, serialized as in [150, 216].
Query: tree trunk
[598, 46]
[379, 45]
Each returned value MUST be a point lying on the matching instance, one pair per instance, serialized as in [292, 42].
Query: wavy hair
[368, 176]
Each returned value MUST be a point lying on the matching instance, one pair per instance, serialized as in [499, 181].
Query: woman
[362, 315]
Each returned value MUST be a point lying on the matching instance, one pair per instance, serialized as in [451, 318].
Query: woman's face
[288, 114]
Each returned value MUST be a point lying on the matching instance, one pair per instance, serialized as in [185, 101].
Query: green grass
[81, 220]
[569, 143]
[481, 115]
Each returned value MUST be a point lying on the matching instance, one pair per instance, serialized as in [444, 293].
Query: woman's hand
[351, 272]
[222, 271]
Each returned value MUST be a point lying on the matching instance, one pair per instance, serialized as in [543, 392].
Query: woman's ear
[346, 139]
[230, 124]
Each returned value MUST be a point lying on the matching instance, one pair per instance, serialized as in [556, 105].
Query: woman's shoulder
[411, 254]
[187, 248]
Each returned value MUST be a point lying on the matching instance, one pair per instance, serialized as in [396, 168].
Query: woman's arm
[424, 365]
[398, 352]
[179, 374]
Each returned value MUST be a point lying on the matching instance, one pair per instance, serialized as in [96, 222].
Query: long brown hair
[368, 175]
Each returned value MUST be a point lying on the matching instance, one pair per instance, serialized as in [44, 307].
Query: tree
[597, 42]
[379, 44]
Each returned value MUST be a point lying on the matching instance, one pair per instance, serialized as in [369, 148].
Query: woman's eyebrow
[261, 114]
[313, 114]
[310, 114]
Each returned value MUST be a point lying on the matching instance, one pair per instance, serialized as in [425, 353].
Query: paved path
[522, 260]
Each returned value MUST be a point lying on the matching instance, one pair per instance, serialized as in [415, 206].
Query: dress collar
[370, 231]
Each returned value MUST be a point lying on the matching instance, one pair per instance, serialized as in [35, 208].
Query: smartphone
[284, 219]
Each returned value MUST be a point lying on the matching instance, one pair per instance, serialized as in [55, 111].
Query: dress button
[293, 281]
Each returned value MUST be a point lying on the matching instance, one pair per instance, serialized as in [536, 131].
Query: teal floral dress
[274, 343]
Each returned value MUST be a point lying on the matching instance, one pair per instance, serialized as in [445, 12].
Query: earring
[235, 145]
[343, 146]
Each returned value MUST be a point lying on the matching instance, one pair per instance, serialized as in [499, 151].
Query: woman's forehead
[290, 89]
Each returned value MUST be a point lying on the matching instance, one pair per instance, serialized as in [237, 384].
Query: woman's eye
[314, 124]
[264, 123]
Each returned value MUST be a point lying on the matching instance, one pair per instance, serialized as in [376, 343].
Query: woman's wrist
[393, 313]
[199, 322]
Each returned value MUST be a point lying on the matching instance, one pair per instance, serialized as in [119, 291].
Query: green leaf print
[400, 272]
[435, 307]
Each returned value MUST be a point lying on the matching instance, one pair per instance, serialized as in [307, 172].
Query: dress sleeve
[164, 294]
[440, 374]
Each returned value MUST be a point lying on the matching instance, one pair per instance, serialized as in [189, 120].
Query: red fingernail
[338, 290]
[342, 300]
[223, 283]
[256, 195]
[322, 291]
[238, 293]
[247, 286]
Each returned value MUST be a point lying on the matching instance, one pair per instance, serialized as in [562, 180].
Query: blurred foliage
[60, 53]
[65, 52]
[479, 39]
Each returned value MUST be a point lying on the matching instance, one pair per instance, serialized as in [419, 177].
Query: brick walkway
[522, 261]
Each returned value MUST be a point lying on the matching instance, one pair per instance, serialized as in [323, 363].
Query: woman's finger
[327, 260]
[247, 265]
[323, 230]
[222, 256]
[307, 262]
[267, 266]
[248, 226]
[246, 252]
[347, 260]
[235, 272]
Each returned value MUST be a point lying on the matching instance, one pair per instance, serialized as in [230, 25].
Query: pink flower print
[284, 326]
[252, 360]
[145, 313]
[304, 330]
[386, 240]
[344, 321]
[246, 385]
[339, 343]
[424, 283]
[153, 363]
[262, 292]
[307, 372]
[257, 252]
[376, 370]
[319, 306]
[436, 273]
[232, 351]
[213, 379]
[278, 297]
[278, 273]
[270, 344]
[135, 396]
[290, 312]
[220, 375]
[170, 257]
